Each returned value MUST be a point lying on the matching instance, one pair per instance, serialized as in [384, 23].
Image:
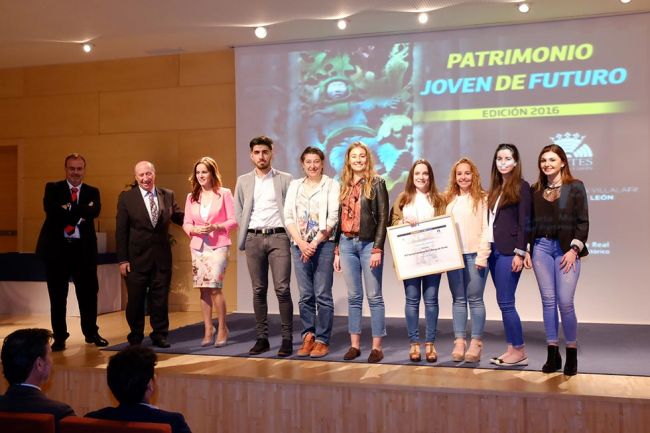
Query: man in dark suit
[68, 246]
[26, 364]
[130, 376]
[144, 252]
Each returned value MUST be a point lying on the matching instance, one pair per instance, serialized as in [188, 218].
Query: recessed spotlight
[423, 17]
[523, 7]
[87, 47]
[261, 32]
[625, 1]
[342, 24]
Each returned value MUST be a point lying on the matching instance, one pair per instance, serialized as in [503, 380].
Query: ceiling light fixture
[423, 17]
[87, 47]
[342, 24]
[261, 32]
[523, 7]
[625, 1]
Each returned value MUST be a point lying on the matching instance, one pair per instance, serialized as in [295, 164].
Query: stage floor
[87, 361]
[599, 350]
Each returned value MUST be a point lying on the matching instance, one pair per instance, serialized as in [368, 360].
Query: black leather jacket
[374, 215]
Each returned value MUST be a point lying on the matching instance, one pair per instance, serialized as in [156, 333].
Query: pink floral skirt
[209, 267]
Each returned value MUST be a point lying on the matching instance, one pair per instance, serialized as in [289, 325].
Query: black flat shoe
[351, 354]
[286, 348]
[553, 360]
[261, 346]
[571, 363]
[161, 342]
[97, 340]
[58, 346]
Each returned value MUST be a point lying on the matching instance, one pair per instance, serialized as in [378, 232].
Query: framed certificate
[430, 247]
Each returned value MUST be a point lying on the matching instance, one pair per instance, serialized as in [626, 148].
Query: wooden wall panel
[199, 69]
[9, 194]
[217, 143]
[49, 116]
[126, 74]
[202, 107]
[11, 83]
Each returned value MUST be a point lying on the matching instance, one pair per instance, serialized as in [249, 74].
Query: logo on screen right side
[580, 155]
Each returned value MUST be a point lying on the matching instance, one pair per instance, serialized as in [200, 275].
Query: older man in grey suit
[259, 204]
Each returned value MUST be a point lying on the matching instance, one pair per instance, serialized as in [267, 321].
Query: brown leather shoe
[351, 354]
[375, 356]
[414, 353]
[458, 354]
[430, 353]
[319, 350]
[307, 345]
[473, 354]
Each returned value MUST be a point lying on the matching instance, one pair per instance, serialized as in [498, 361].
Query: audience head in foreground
[27, 364]
[130, 376]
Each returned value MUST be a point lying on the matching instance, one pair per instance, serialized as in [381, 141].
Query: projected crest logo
[362, 95]
[578, 152]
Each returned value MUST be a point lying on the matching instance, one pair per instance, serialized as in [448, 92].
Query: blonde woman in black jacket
[363, 217]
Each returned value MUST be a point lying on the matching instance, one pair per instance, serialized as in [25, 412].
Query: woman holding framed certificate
[419, 202]
[560, 225]
[467, 203]
[363, 217]
[508, 216]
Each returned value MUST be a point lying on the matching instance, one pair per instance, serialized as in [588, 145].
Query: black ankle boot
[571, 364]
[553, 360]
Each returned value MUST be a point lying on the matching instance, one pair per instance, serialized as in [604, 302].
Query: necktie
[74, 190]
[154, 209]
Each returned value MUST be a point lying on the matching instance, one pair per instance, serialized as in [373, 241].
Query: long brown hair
[476, 191]
[347, 176]
[212, 167]
[435, 198]
[565, 172]
[508, 190]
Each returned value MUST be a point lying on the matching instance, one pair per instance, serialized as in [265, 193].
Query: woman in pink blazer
[209, 217]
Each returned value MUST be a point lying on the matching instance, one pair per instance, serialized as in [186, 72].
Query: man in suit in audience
[259, 209]
[144, 252]
[68, 246]
[130, 375]
[26, 364]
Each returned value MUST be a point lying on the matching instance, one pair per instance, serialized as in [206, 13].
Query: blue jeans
[315, 279]
[505, 281]
[355, 262]
[557, 289]
[422, 287]
[468, 285]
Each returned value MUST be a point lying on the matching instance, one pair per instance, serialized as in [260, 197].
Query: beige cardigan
[473, 231]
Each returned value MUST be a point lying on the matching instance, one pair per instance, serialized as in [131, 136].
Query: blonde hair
[347, 176]
[476, 191]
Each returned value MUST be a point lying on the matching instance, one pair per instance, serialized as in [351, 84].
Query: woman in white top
[419, 202]
[310, 213]
[467, 203]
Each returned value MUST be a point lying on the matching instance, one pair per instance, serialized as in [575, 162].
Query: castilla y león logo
[578, 152]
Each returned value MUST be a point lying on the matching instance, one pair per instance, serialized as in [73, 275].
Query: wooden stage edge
[225, 394]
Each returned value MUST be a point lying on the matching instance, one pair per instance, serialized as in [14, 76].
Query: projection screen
[581, 84]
